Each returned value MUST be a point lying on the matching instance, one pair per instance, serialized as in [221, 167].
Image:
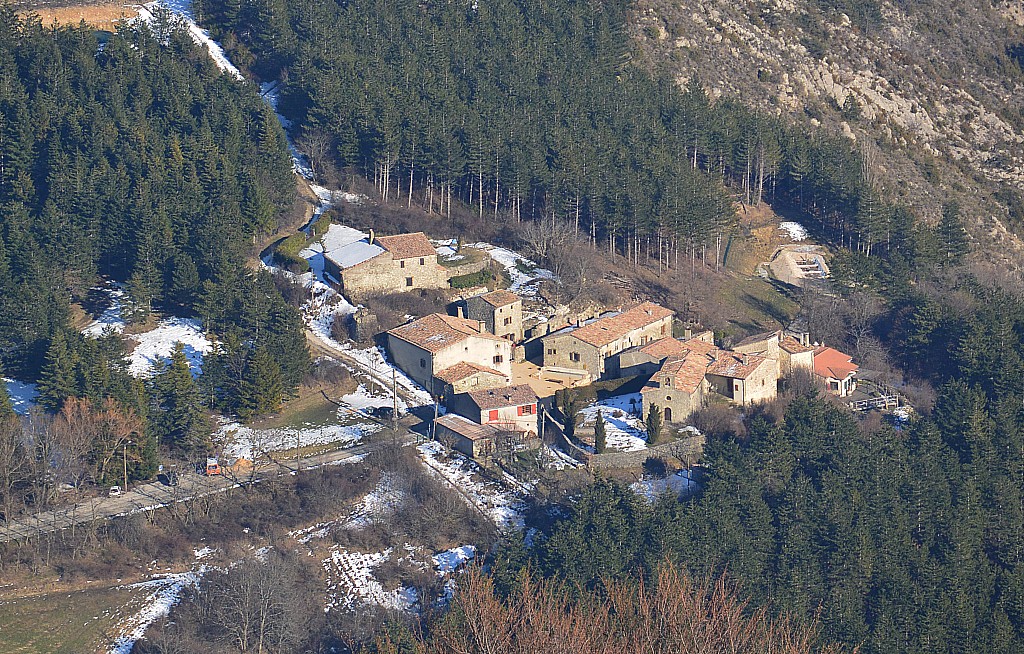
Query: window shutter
[493, 415]
[519, 410]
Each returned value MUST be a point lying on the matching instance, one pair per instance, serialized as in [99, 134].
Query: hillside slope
[932, 91]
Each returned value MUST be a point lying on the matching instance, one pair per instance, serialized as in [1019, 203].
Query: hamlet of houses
[466, 360]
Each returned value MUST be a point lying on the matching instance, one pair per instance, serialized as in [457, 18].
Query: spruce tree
[181, 422]
[262, 389]
[600, 438]
[58, 379]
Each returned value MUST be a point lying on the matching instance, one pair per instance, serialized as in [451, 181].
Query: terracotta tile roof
[438, 331]
[463, 370]
[500, 298]
[497, 398]
[735, 365]
[606, 330]
[664, 347]
[831, 363]
[685, 372]
[407, 246]
[700, 346]
[467, 428]
[793, 346]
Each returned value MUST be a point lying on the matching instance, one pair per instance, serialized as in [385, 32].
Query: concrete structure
[472, 439]
[588, 347]
[790, 352]
[513, 408]
[799, 264]
[835, 370]
[425, 347]
[362, 264]
[500, 311]
[465, 377]
[678, 388]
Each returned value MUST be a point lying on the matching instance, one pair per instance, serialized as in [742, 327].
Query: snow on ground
[559, 460]
[796, 231]
[111, 318]
[248, 443]
[449, 560]
[350, 581]
[501, 505]
[300, 163]
[363, 399]
[165, 592]
[382, 502]
[157, 344]
[679, 483]
[181, 9]
[23, 396]
[624, 432]
[523, 283]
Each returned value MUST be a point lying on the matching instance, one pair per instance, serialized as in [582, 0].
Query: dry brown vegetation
[672, 614]
[102, 15]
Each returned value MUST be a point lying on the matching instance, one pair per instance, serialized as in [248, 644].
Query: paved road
[155, 495]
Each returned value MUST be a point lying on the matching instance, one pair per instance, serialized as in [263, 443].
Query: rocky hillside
[932, 90]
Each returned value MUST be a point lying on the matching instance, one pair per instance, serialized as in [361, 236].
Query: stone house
[784, 348]
[678, 388]
[501, 312]
[472, 439]
[362, 264]
[835, 370]
[513, 408]
[590, 346]
[743, 378]
[647, 359]
[464, 377]
[425, 347]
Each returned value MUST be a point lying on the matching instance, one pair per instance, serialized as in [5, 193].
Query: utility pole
[125, 459]
[394, 396]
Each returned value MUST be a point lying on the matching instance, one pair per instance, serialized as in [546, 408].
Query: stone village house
[427, 347]
[590, 346]
[501, 312]
[512, 409]
[363, 264]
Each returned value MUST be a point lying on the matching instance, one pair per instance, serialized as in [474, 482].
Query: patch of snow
[502, 506]
[796, 231]
[181, 9]
[625, 432]
[522, 283]
[204, 552]
[680, 483]
[157, 344]
[23, 396]
[248, 443]
[363, 399]
[166, 591]
[350, 582]
[448, 561]
[111, 318]
[382, 502]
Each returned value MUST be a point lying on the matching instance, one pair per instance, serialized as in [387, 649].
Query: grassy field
[77, 622]
[102, 15]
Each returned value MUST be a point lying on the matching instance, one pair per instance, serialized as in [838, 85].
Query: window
[551, 350]
[498, 358]
[737, 387]
[525, 410]
[663, 330]
[423, 261]
[401, 264]
[423, 363]
[493, 415]
[668, 398]
[574, 356]
[667, 381]
[508, 321]
[408, 281]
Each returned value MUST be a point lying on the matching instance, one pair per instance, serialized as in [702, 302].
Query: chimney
[459, 313]
[370, 238]
[744, 358]
[481, 326]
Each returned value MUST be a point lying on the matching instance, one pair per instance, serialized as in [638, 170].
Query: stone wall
[687, 450]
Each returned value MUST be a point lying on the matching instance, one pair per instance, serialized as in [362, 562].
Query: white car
[115, 491]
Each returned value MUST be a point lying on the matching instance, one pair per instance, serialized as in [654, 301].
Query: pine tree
[58, 380]
[654, 424]
[181, 421]
[262, 389]
[600, 438]
[952, 233]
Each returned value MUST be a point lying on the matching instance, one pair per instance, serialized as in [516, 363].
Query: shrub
[287, 253]
[481, 278]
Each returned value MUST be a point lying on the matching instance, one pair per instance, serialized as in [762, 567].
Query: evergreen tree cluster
[533, 109]
[133, 159]
[899, 540]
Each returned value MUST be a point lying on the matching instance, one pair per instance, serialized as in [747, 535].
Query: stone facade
[388, 264]
[589, 346]
[466, 377]
[500, 311]
[512, 408]
[425, 347]
[472, 439]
